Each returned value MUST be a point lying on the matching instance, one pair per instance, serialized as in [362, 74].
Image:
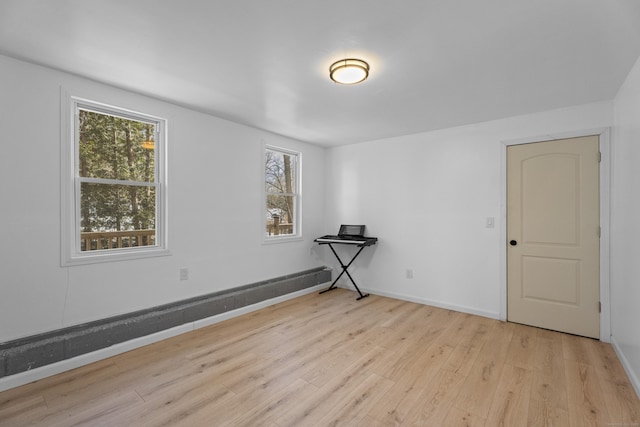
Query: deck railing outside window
[98, 240]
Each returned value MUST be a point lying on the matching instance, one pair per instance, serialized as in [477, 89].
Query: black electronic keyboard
[349, 240]
[348, 235]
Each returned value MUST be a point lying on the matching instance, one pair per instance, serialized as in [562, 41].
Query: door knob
[513, 242]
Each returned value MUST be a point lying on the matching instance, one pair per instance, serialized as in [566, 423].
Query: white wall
[215, 209]
[427, 197]
[625, 226]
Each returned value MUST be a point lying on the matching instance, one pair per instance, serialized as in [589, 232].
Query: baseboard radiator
[43, 349]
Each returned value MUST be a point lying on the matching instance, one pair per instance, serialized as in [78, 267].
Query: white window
[115, 197]
[282, 194]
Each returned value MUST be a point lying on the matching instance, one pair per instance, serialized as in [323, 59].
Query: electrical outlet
[409, 273]
[184, 274]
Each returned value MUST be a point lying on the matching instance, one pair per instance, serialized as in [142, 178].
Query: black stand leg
[344, 270]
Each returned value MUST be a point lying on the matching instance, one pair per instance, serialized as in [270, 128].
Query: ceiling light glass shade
[349, 71]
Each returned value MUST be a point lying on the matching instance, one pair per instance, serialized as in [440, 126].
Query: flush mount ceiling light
[349, 71]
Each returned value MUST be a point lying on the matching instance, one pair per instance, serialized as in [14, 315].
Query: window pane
[280, 215]
[280, 172]
[117, 216]
[115, 148]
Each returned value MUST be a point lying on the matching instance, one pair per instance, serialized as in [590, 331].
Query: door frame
[605, 197]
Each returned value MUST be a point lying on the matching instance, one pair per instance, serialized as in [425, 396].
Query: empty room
[360, 213]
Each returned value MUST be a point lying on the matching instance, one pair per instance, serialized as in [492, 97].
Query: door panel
[553, 219]
[551, 279]
[550, 182]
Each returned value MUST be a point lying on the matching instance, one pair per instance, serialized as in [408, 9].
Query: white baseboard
[627, 367]
[36, 374]
[439, 304]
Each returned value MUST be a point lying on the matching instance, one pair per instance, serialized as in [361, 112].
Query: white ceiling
[264, 63]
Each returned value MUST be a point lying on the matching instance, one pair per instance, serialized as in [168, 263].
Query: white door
[553, 235]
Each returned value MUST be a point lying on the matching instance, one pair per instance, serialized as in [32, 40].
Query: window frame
[297, 196]
[71, 253]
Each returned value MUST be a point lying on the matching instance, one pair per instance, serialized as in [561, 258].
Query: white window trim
[70, 186]
[297, 236]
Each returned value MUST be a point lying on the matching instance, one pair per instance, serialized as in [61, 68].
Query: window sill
[281, 239]
[128, 255]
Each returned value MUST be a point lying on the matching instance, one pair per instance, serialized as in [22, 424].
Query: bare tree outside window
[281, 171]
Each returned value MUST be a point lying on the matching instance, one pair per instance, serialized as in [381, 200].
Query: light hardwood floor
[331, 360]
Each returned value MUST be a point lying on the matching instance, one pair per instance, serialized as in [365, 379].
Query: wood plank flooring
[324, 360]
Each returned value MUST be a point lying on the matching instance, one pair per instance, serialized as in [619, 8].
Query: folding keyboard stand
[344, 270]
